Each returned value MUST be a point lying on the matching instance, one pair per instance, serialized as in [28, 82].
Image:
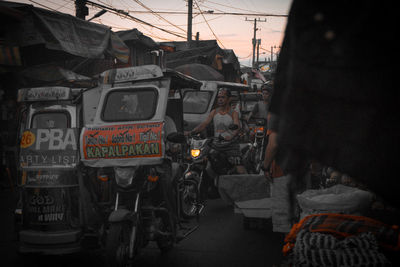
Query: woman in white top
[223, 116]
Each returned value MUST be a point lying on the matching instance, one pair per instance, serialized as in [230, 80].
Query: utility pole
[272, 53]
[190, 14]
[254, 41]
[81, 10]
[258, 50]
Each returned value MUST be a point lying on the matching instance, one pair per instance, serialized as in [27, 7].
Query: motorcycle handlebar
[222, 140]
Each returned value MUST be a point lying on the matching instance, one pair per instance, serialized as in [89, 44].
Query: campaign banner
[49, 148]
[49, 178]
[48, 205]
[129, 141]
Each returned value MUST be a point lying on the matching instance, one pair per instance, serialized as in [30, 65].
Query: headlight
[124, 176]
[195, 153]
[192, 175]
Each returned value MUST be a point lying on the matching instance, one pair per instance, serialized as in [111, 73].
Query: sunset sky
[232, 31]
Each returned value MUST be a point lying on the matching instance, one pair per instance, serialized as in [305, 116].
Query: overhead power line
[231, 7]
[60, 6]
[247, 56]
[262, 48]
[210, 12]
[159, 16]
[39, 4]
[193, 23]
[208, 24]
[126, 14]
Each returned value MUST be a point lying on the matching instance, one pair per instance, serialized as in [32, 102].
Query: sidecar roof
[47, 93]
[147, 72]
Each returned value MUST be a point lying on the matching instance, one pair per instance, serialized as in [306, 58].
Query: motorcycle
[209, 159]
[194, 179]
[258, 145]
[125, 142]
[140, 213]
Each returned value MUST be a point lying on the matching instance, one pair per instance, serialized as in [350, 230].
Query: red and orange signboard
[122, 141]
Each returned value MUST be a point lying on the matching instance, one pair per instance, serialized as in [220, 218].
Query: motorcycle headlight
[195, 153]
[124, 176]
[188, 174]
[192, 175]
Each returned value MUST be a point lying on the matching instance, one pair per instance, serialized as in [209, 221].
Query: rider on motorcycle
[260, 109]
[223, 116]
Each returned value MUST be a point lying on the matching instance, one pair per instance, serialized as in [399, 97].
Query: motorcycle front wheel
[258, 160]
[119, 236]
[166, 243]
[189, 198]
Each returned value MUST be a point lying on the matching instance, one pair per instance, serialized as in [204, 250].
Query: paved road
[220, 241]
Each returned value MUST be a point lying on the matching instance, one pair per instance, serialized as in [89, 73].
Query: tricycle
[131, 140]
[54, 213]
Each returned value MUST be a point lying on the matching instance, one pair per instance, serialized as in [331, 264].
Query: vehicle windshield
[249, 101]
[196, 101]
[53, 119]
[130, 105]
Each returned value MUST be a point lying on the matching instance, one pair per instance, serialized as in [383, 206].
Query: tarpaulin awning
[202, 55]
[63, 32]
[52, 75]
[205, 52]
[136, 36]
[200, 72]
[229, 57]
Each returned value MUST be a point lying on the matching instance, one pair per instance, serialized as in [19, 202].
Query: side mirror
[233, 127]
[176, 138]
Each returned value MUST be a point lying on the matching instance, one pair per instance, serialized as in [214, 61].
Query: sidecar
[50, 214]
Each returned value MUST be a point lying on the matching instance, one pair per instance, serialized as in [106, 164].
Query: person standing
[279, 181]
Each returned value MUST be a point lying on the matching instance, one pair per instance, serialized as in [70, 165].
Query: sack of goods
[331, 239]
[336, 199]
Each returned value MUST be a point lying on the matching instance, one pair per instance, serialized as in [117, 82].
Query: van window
[196, 101]
[249, 100]
[130, 105]
[50, 119]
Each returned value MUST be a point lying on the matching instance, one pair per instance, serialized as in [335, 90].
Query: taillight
[259, 129]
[153, 176]
[102, 177]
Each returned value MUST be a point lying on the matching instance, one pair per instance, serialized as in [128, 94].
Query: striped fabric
[9, 55]
[316, 249]
[343, 226]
